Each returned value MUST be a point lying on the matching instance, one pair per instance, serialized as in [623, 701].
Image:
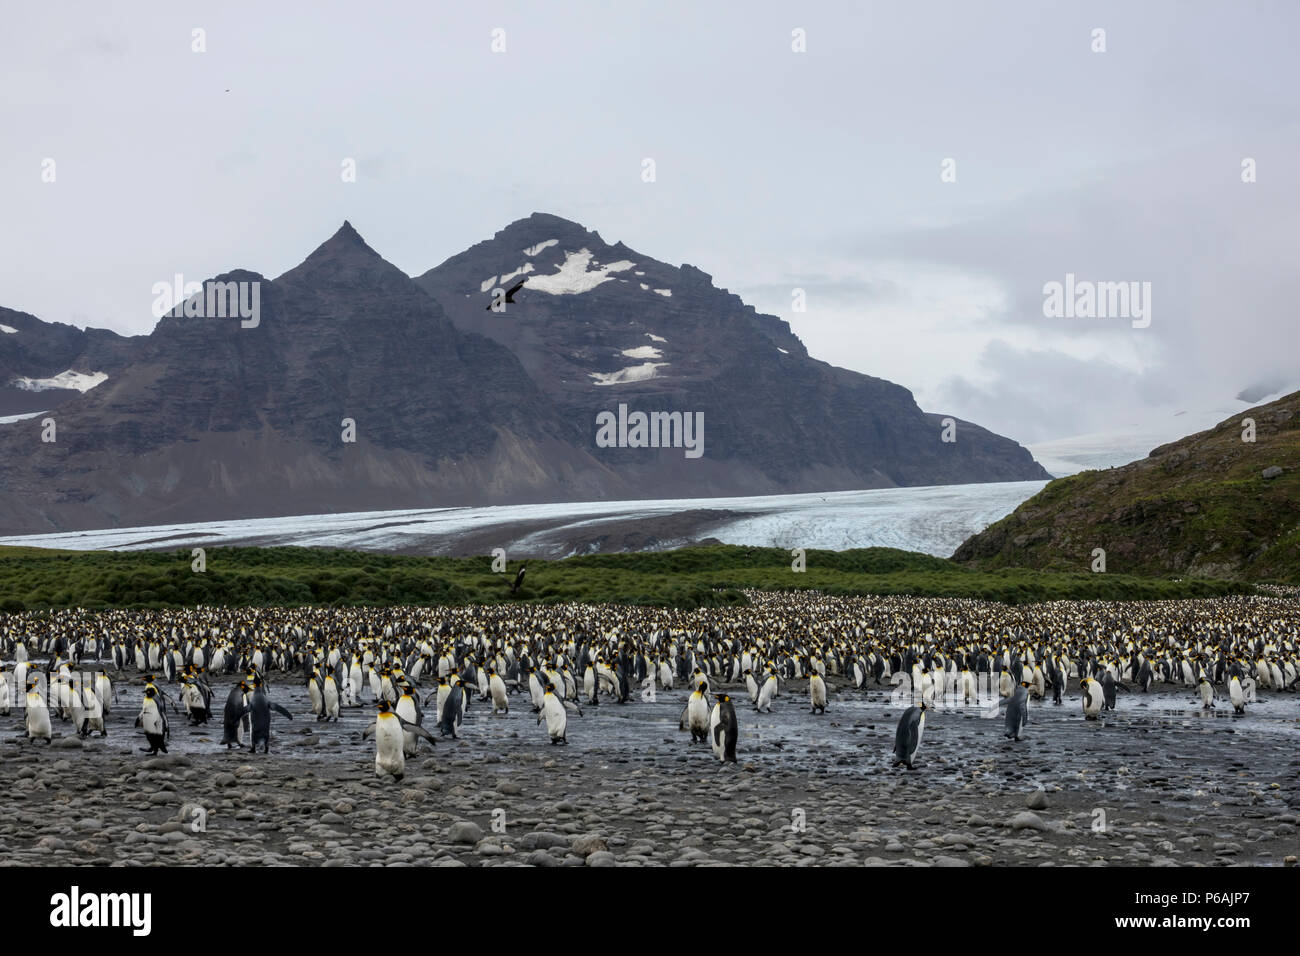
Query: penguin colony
[421, 669]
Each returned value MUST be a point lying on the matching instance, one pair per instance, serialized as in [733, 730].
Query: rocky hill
[1207, 505]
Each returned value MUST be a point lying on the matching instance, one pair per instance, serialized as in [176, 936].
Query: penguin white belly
[406, 710]
[766, 694]
[1238, 697]
[697, 714]
[715, 718]
[816, 692]
[92, 711]
[38, 717]
[389, 757]
[150, 719]
[63, 698]
[331, 698]
[1092, 699]
[4, 695]
[556, 720]
[500, 703]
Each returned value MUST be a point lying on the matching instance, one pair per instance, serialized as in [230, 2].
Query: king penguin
[1238, 698]
[259, 711]
[695, 715]
[1018, 710]
[38, 714]
[817, 692]
[911, 728]
[1092, 700]
[557, 721]
[723, 730]
[389, 730]
[153, 721]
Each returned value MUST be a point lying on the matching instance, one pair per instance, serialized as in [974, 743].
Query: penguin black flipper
[681, 724]
[369, 730]
[415, 729]
[281, 710]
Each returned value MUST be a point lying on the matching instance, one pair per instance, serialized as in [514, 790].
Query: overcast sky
[775, 170]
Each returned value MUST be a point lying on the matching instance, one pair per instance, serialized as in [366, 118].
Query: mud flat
[1158, 782]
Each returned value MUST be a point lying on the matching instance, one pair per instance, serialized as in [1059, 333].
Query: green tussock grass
[33, 579]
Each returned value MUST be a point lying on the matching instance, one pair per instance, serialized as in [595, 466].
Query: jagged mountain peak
[345, 253]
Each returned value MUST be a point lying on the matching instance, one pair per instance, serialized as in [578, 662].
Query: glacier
[932, 519]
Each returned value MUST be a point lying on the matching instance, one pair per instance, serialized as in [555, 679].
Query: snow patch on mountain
[574, 276]
[81, 381]
[667, 293]
[8, 330]
[655, 338]
[522, 270]
[533, 250]
[633, 373]
[487, 284]
[10, 419]
[643, 352]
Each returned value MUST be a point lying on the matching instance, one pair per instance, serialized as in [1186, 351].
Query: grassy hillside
[1200, 506]
[31, 579]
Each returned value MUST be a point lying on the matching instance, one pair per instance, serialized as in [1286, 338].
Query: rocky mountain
[1212, 504]
[598, 325]
[38, 361]
[356, 388]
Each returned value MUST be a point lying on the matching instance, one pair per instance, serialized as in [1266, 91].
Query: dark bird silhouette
[510, 293]
[519, 579]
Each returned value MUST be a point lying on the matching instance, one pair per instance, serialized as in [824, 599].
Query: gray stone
[588, 844]
[465, 831]
[1027, 821]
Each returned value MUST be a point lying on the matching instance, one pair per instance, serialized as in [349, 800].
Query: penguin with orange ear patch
[390, 736]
